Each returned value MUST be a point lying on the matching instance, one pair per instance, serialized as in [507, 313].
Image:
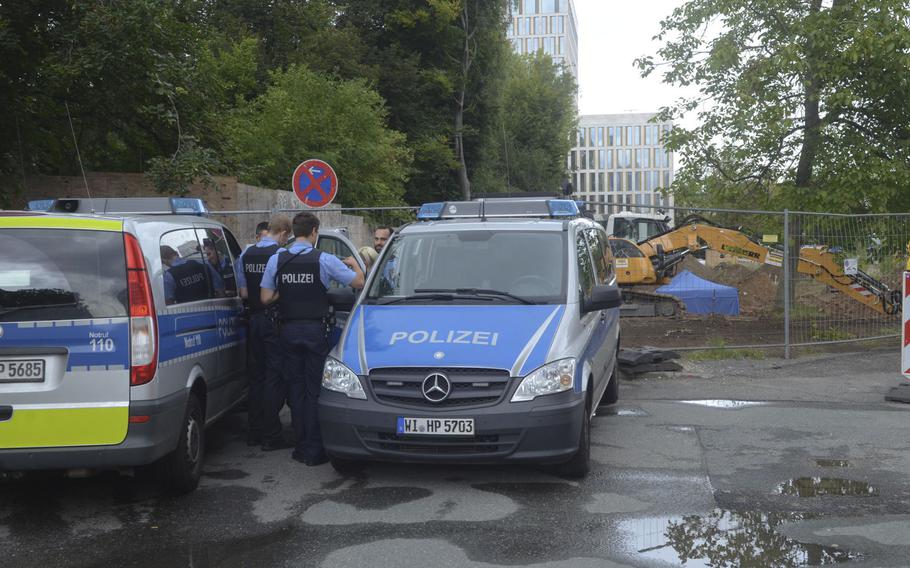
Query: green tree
[801, 101]
[305, 114]
[536, 117]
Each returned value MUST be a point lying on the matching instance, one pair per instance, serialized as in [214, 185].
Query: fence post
[787, 284]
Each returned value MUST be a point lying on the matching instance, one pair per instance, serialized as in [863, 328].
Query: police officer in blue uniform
[267, 390]
[185, 280]
[298, 279]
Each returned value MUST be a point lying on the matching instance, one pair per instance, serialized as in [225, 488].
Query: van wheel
[347, 467]
[580, 464]
[611, 395]
[183, 467]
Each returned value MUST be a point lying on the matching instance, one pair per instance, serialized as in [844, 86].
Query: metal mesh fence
[771, 279]
[722, 278]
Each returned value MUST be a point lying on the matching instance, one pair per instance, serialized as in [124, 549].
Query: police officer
[267, 391]
[184, 280]
[298, 278]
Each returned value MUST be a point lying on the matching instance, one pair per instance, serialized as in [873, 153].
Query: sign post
[314, 183]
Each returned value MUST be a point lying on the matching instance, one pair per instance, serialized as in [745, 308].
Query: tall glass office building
[619, 162]
[548, 26]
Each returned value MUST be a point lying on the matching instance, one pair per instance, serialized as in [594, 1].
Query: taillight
[143, 322]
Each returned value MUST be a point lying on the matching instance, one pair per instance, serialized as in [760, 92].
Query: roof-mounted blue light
[563, 208]
[40, 205]
[430, 211]
[188, 206]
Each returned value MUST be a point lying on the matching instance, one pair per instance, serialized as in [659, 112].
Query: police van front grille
[469, 387]
[440, 445]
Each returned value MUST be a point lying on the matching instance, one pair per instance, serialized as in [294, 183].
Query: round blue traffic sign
[315, 183]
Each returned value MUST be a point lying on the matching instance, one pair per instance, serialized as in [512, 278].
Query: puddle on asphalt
[614, 411]
[822, 486]
[724, 404]
[378, 498]
[832, 463]
[226, 474]
[726, 538]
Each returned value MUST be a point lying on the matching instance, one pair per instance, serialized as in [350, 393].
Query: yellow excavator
[654, 260]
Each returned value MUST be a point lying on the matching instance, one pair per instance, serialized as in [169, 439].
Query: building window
[637, 132]
[628, 181]
[581, 137]
[600, 135]
[530, 6]
[547, 6]
[592, 135]
[628, 136]
[572, 160]
[646, 158]
[591, 165]
[601, 159]
[583, 160]
[638, 158]
[610, 136]
[628, 158]
[600, 182]
[608, 164]
[666, 179]
[560, 46]
[637, 178]
[561, 24]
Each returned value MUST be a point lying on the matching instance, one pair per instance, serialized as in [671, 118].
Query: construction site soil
[818, 312]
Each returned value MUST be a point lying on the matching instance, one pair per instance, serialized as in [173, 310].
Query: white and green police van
[487, 333]
[120, 337]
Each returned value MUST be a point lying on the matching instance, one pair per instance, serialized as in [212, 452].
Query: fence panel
[847, 283]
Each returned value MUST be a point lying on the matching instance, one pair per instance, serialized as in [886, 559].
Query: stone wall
[248, 205]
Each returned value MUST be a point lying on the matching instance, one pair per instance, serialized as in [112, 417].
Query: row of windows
[652, 135]
[538, 25]
[640, 158]
[615, 203]
[549, 45]
[542, 6]
[622, 181]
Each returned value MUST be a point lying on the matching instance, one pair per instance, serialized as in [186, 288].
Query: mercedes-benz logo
[436, 387]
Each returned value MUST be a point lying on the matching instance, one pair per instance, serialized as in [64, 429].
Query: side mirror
[602, 298]
[342, 299]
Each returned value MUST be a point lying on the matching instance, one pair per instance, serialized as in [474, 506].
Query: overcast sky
[611, 35]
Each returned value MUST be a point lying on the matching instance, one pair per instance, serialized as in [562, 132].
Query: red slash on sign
[314, 183]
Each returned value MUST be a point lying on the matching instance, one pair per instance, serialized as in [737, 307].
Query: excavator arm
[668, 249]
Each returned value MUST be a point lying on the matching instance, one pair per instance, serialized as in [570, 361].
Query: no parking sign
[315, 183]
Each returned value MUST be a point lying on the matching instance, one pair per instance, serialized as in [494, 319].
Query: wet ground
[689, 470]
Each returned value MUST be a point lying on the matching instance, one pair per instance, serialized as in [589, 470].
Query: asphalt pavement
[752, 463]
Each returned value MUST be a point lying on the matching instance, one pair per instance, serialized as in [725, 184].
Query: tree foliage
[183, 90]
[802, 103]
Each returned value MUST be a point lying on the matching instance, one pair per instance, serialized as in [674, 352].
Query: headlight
[554, 377]
[337, 377]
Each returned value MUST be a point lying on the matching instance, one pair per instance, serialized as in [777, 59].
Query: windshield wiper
[477, 292]
[442, 295]
[5, 311]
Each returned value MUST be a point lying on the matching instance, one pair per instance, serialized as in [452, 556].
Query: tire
[580, 464]
[611, 395]
[182, 468]
[347, 467]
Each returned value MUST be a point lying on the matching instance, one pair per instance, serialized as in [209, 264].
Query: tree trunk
[466, 60]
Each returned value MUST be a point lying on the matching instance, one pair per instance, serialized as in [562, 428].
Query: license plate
[436, 426]
[22, 371]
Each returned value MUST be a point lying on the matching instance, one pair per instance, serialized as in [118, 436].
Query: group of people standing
[286, 288]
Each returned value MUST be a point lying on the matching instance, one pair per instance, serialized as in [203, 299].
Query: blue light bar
[40, 205]
[188, 206]
[563, 208]
[430, 211]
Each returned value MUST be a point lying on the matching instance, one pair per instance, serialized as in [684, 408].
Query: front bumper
[545, 430]
[144, 443]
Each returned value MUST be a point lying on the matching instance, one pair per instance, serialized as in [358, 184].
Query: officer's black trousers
[267, 389]
[304, 349]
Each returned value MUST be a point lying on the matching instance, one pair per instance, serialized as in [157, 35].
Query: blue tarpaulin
[702, 296]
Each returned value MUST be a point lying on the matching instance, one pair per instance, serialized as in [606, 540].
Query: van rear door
[64, 332]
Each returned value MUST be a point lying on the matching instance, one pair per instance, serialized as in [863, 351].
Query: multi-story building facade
[619, 161]
[546, 25]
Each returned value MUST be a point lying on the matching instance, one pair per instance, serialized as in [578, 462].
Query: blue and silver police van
[121, 336]
[487, 332]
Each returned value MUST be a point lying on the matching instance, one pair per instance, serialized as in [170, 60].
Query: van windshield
[61, 274]
[473, 267]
